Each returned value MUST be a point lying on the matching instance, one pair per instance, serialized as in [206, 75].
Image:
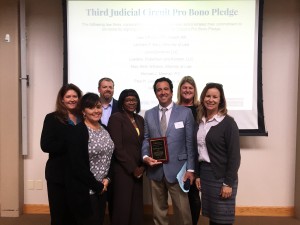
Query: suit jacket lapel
[129, 126]
[139, 125]
[172, 119]
[157, 118]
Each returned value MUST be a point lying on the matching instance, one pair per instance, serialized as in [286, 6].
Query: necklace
[131, 118]
[94, 126]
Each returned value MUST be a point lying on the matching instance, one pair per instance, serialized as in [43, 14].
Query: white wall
[267, 171]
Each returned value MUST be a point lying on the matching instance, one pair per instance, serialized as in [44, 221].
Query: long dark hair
[61, 111]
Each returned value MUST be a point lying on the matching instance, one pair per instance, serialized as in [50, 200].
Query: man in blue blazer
[179, 135]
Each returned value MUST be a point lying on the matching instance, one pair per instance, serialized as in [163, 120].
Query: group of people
[100, 147]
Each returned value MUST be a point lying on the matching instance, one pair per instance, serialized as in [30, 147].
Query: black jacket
[53, 141]
[78, 175]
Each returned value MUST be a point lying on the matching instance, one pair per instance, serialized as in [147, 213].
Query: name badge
[179, 125]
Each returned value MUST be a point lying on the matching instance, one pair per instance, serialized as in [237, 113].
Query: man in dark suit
[179, 135]
[109, 104]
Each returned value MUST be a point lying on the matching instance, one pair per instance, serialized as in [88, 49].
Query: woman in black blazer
[56, 128]
[89, 159]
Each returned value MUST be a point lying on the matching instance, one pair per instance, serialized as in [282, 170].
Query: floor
[33, 219]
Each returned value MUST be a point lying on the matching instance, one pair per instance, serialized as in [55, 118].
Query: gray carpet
[28, 219]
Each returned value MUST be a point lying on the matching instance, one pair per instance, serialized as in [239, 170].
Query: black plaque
[159, 149]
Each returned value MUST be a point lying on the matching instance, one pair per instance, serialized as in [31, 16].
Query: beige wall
[297, 178]
[267, 174]
[11, 164]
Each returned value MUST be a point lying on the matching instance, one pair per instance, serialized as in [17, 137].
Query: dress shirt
[204, 127]
[106, 112]
[168, 112]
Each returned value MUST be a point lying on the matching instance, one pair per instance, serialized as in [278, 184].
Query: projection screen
[136, 42]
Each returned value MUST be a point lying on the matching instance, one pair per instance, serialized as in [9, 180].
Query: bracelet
[226, 185]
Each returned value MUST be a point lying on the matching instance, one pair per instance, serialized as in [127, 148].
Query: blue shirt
[72, 123]
[106, 112]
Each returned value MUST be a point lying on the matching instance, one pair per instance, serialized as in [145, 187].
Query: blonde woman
[187, 96]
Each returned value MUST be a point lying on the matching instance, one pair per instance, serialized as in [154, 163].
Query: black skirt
[214, 207]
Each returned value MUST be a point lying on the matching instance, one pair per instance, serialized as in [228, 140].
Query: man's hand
[189, 175]
[151, 162]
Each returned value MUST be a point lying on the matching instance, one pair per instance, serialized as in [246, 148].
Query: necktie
[163, 121]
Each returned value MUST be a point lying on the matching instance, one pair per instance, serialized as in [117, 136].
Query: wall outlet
[30, 184]
[38, 185]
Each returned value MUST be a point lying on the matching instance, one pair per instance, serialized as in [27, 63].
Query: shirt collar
[110, 104]
[72, 123]
[216, 117]
[168, 107]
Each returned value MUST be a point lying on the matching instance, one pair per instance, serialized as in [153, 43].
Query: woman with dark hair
[187, 95]
[91, 149]
[56, 128]
[127, 131]
[218, 155]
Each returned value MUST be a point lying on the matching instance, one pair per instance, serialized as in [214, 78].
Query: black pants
[109, 197]
[59, 210]
[213, 223]
[195, 203]
[98, 204]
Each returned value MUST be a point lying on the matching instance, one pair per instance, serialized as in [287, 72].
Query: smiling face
[212, 100]
[163, 93]
[187, 92]
[70, 100]
[93, 115]
[130, 104]
[106, 90]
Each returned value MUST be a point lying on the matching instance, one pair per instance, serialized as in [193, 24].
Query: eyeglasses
[132, 100]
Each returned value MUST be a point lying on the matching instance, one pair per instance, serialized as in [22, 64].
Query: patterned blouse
[101, 149]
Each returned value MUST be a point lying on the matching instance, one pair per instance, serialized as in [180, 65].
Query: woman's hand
[226, 191]
[105, 183]
[138, 172]
[198, 184]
